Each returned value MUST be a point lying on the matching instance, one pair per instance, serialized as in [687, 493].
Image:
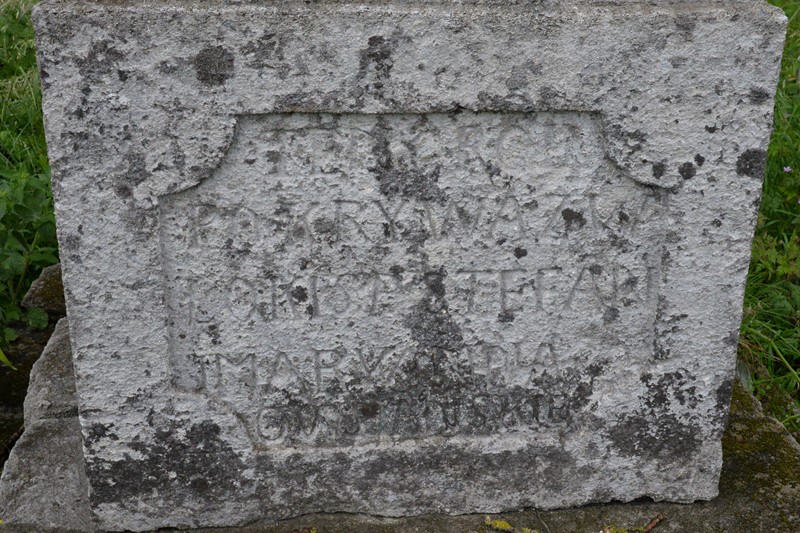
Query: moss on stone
[759, 491]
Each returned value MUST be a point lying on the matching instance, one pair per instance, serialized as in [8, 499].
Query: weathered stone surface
[759, 491]
[44, 484]
[47, 292]
[405, 257]
[51, 393]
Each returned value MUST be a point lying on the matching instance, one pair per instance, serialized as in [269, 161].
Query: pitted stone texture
[759, 491]
[370, 279]
[44, 486]
[47, 292]
[400, 258]
[51, 392]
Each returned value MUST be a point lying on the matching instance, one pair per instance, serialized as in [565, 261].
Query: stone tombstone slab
[403, 257]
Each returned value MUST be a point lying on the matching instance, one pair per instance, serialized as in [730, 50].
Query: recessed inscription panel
[353, 279]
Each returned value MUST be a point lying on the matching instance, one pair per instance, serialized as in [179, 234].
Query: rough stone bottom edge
[44, 486]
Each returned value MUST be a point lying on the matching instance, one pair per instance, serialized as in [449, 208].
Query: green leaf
[9, 335]
[15, 263]
[47, 232]
[10, 313]
[23, 212]
[5, 361]
[43, 257]
[36, 318]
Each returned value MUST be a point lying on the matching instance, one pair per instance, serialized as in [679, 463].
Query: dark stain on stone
[711, 129]
[658, 170]
[656, 437]
[633, 139]
[214, 65]
[686, 25]
[236, 251]
[98, 431]
[379, 53]
[325, 227]
[430, 323]
[654, 432]
[396, 271]
[531, 204]
[310, 311]
[491, 169]
[700, 160]
[376, 57]
[716, 223]
[752, 163]
[687, 170]
[610, 315]
[137, 169]
[71, 244]
[299, 293]
[732, 338]
[518, 79]
[519, 253]
[449, 464]
[595, 370]
[549, 97]
[44, 76]
[213, 331]
[400, 176]
[184, 462]
[135, 174]
[677, 61]
[596, 270]
[665, 324]
[123, 191]
[100, 61]
[723, 395]
[266, 52]
[505, 317]
[370, 409]
[623, 217]
[573, 219]
[415, 234]
[758, 95]
[435, 282]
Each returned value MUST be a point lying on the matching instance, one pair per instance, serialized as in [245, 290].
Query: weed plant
[770, 336]
[27, 224]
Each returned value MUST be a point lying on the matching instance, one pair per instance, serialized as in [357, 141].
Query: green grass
[27, 224]
[770, 336]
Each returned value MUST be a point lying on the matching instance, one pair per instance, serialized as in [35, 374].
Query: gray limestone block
[47, 292]
[399, 257]
[51, 392]
[44, 486]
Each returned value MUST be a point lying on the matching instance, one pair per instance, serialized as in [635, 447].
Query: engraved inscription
[344, 279]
